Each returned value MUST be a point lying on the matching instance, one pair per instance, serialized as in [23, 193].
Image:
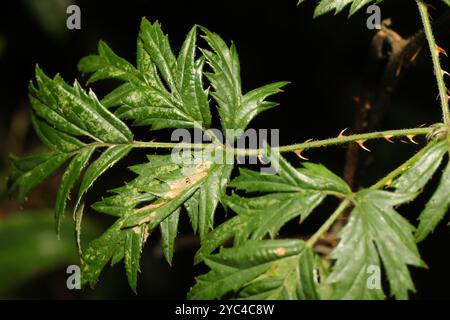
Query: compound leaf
[290, 193]
[233, 268]
[72, 110]
[236, 110]
[375, 233]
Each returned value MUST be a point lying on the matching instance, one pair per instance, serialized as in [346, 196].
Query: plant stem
[393, 174]
[439, 73]
[331, 219]
[300, 146]
[355, 138]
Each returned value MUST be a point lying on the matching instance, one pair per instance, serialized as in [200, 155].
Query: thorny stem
[435, 51]
[355, 138]
[327, 224]
[300, 146]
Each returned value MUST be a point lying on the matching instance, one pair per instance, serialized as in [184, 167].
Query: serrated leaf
[106, 160]
[291, 193]
[108, 65]
[286, 279]
[152, 199]
[190, 81]
[134, 239]
[375, 233]
[55, 140]
[337, 6]
[169, 230]
[416, 177]
[232, 268]
[144, 97]
[99, 252]
[436, 207]
[236, 110]
[254, 102]
[69, 178]
[31, 171]
[307, 288]
[124, 93]
[202, 205]
[156, 43]
[267, 214]
[72, 110]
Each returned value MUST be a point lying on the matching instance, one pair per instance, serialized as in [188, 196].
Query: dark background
[325, 59]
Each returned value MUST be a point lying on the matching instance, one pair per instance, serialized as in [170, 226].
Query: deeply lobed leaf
[375, 233]
[248, 265]
[290, 193]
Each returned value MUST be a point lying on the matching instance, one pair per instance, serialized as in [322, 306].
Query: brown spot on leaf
[137, 230]
[147, 218]
[281, 252]
[178, 186]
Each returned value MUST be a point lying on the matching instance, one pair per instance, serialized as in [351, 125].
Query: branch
[339, 140]
[435, 52]
[331, 219]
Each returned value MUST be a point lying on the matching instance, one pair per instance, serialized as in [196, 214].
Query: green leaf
[69, 178]
[202, 205]
[55, 140]
[337, 6]
[375, 233]
[286, 279]
[307, 286]
[267, 214]
[436, 208]
[134, 240]
[232, 268]
[154, 198]
[72, 110]
[158, 48]
[190, 81]
[417, 176]
[31, 171]
[69, 112]
[108, 65]
[107, 159]
[254, 102]
[290, 193]
[169, 230]
[144, 97]
[99, 252]
[235, 109]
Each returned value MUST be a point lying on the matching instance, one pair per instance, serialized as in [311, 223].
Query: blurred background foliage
[325, 59]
